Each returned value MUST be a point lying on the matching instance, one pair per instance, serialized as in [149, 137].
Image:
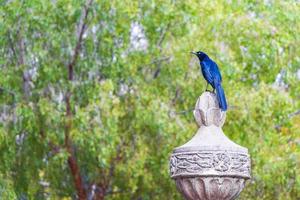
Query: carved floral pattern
[221, 162]
[199, 163]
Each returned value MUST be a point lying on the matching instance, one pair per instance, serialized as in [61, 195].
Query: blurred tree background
[94, 95]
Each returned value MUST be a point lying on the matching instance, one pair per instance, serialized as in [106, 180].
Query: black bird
[213, 77]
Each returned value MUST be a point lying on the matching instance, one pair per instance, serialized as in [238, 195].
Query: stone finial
[210, 166]
[207, 111]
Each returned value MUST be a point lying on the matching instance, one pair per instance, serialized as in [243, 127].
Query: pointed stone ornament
[210, 166]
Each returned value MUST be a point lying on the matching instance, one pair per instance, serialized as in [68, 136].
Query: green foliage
[131, 105]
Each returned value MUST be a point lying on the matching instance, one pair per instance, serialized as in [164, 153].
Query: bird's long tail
[221, 96]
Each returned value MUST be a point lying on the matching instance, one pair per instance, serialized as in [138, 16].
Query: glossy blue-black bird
[213, 77]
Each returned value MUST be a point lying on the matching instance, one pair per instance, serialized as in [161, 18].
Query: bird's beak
[193, 53]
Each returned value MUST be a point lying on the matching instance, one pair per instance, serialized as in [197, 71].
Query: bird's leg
[214, 90]
[206, 88]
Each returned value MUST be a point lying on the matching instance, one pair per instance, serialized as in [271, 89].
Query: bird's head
[201, 55]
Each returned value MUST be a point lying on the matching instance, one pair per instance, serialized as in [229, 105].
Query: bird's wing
[215, 71]
[207, 72]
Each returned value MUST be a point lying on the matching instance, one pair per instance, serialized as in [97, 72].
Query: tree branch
[162, 37]
[12, 45]
[21, 62]
[103, 187]
[82, 28]
[294, 114]
[72, 161]
[10, 92]
[177, 95]
[289, 116]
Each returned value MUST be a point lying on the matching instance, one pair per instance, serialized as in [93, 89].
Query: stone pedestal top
[210, 138]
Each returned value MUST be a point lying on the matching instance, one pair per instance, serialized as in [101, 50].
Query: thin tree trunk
[72, 161]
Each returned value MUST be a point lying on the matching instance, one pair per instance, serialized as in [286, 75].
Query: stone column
[210, 166]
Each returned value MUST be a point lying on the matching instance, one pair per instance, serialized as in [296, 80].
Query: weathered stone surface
[210, 166]
[210, 188]
[207, 111]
